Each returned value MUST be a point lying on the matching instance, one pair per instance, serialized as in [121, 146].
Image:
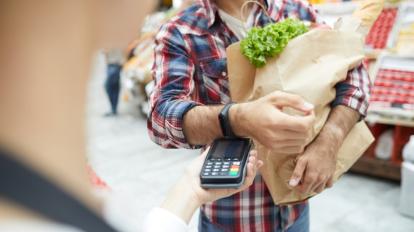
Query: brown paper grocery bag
[309, 66]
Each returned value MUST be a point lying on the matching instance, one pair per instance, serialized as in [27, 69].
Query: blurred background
[376, 195]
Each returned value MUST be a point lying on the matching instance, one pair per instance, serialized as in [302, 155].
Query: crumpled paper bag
[310, 66]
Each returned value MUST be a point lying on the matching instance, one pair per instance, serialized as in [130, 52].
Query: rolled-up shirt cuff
[174, 129]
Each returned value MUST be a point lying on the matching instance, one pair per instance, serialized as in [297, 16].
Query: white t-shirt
[235, 25]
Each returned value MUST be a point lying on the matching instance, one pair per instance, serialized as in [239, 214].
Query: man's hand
[264, 121]
[315, 168]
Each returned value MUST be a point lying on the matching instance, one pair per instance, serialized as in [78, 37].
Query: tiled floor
[122, 154]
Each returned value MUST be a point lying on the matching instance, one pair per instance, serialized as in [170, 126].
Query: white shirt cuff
[162, 220]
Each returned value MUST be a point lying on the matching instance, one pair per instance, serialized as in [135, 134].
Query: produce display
[378, 35]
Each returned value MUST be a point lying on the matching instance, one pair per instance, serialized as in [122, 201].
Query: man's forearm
[340, 122]
[201, 124]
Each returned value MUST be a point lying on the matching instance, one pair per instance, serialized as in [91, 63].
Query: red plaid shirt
[190, 69]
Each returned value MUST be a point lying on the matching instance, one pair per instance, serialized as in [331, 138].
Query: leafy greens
[269, 41]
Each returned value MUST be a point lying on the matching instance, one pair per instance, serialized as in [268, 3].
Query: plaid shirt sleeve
[355, 89]
[172, 72]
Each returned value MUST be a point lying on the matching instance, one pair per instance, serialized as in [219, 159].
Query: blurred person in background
[46, 50]
[114, 60]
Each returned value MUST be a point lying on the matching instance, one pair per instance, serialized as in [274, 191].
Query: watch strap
[224, 119]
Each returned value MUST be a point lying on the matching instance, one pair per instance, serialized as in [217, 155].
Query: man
[191, 91]
[44, 181]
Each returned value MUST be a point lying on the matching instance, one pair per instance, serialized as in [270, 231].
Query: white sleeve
[161, 220]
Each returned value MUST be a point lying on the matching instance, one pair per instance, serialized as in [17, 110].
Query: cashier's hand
[208, 195]
[264, 121]
[315, 168]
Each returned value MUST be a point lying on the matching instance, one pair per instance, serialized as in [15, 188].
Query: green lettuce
[269, 41]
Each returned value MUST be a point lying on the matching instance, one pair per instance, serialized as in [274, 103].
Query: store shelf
[378, 168]
[389, 121]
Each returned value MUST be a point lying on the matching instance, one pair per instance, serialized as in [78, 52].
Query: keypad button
[223, 173]
[208, 166]
[236, 163]
[235, 159]
[224, 169]
[233, 173]
[219, 163]
[206, 174]
[207, 170]
[226, 166]
[226, 163]
[214, 173]
[216, 170]
[209, 163]
[227, 159]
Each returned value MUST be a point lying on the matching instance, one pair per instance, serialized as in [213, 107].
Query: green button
[233, 173]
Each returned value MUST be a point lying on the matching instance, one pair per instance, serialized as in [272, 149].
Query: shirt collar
[210, 9]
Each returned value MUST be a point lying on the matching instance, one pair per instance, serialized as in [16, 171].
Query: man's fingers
[329, 184]
[308, 183]
[319, 188]
[291, 150]
[283, 99]
[297, 123]
[291, 135]
[298, 172]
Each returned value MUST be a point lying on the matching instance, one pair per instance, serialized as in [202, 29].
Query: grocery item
[269, 41]
[321, 54]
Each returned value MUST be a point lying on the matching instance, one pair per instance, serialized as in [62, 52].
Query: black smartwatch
[224, 119]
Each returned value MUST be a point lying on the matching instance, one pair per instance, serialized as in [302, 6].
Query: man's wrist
[332, 135]
[237, 120]
[332, 131]
[331, 138]
[340, 122]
